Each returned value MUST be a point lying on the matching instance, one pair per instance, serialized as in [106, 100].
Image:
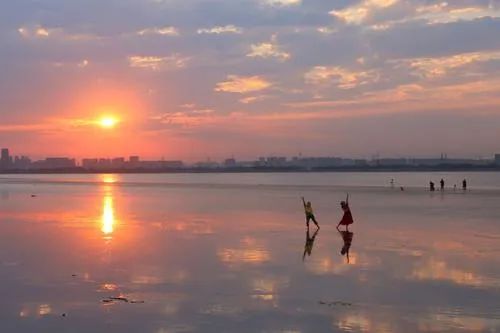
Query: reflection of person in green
[347, 237]
[309, 243]
[309, 213]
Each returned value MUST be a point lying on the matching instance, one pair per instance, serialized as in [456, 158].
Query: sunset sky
[191, 79]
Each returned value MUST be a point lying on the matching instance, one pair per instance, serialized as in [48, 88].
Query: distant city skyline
[250, 77]
[208, 157]
[134, 162]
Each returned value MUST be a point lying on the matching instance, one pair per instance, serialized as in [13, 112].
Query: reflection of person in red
[347, 218]
[347, 237]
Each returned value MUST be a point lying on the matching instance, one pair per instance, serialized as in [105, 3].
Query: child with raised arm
[309, 213]
[347, 218]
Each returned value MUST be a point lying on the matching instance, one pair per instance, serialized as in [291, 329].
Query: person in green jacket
[309, 213]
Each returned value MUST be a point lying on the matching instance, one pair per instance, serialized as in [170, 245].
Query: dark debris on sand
[121, 299]
[336, 303]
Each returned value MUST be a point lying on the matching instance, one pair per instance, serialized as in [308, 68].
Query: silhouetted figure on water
[347, 218]
[432, 188]
[464, 185]
[441, 182]
[309, 213]
[308, 247]
[347, 237]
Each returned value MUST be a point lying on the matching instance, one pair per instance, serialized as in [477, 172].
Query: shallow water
[224, 253]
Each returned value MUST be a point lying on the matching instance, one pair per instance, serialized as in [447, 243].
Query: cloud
[281, 3]
[35, 32]
[463, 97]
[84, 63]
[228, 29]
[341, 77]
[40, 32]
[156, 63]
[404, 12]
[25, 127]
[326, 30]
[81, 64]
[165, 31]
[445, 12]
[185, 118]
[253, 99]
[268, 50]
[438, 67]
[243, 84]
[357, 14]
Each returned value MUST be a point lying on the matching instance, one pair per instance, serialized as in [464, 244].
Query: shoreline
[446, 168]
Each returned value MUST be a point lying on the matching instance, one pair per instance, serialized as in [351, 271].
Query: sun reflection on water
[108, 216]
[108, 178]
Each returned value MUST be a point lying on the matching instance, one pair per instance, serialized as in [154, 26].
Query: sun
[108, 122]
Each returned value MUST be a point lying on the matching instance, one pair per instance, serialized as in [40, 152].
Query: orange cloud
[243, 84]
[405, 98]
[444, 12]
[357, 14]
[437, 67]
[40, 32]
[269, 50]
[156, 63]
[341, 77]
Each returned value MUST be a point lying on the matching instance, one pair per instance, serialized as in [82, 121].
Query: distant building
[5, 159]
[118, 163]
[360, 163]
[52, 163]
[431, 162]
[172, 164]
[273, 161]
[207, 165]
[21, 163]
[90, 163]
[230, 163]
[247, 164]
[497, 159]
[388, 162]
[316, 162]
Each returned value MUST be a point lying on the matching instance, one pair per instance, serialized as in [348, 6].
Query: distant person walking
[464, 184]
[441, 182]
[392, 183]
[309, 213]
[347, 218]
[432, 188]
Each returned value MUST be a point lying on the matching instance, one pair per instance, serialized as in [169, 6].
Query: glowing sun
[108, 122]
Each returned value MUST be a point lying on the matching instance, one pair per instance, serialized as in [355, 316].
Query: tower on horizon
[5, 159]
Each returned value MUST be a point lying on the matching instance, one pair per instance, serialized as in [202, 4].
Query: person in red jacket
[347, 218]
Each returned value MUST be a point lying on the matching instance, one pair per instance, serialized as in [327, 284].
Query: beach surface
[230, 253]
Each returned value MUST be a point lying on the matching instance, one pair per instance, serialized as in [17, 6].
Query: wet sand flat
[225, 253]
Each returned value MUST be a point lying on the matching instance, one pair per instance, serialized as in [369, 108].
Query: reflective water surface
[156, 253]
